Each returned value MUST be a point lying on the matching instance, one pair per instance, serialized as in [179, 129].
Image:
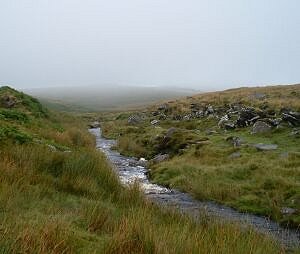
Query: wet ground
[130, 171]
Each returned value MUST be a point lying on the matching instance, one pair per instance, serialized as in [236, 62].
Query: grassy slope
[257, 182]
[52, 201]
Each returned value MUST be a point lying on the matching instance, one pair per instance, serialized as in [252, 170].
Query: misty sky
[206, 45]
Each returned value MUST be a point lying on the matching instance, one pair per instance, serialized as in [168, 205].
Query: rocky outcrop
[8, 101]
[247, 116]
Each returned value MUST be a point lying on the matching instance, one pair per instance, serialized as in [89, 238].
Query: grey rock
[265, 147]
[229, 125]
[260, 127]
[274, 122]
[224, 119]
[246, 117]
[209, 110]
[160, 158]
[199, 114]
[235, 141]
[292, 117]
[288, 210]
[134, 119]
[155, 122]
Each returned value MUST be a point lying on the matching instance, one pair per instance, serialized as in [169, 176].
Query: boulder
[160, 158]
[292, 117]
[274, 122]
[134, 119]
[209, 110]
[199, 114]
[225, 123]
[265, 147]
[229, 125]
[260, 127]
[223, 120]
[94, 124]
[246, 117]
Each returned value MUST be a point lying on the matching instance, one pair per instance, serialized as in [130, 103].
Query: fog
[204, 45]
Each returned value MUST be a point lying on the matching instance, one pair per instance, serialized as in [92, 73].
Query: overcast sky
[204, 44]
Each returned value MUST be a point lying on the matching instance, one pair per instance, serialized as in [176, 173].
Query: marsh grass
[52, 201]
[55, 202]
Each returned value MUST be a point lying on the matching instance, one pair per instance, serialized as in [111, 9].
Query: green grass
[258, 182]
[52, 201]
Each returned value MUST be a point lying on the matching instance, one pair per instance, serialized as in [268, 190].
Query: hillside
[238, 147]
[105, 97]
[59, 195]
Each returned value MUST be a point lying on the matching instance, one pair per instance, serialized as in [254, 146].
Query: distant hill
[105, 98]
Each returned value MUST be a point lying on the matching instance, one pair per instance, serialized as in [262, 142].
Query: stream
[130, 171]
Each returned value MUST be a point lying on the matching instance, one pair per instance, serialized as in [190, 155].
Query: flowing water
[129, 171]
